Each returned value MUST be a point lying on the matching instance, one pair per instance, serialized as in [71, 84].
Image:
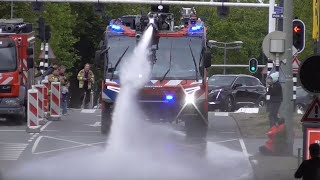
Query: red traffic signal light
[298, 35]
[296, 29]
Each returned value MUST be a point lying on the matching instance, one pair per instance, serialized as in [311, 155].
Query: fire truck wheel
[196, 127]
[106, 121]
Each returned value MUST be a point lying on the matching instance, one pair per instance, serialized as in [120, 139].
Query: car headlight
[215, 91]
[190, 92]
[12, 102]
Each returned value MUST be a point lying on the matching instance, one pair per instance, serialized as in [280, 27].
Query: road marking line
[46, 125]
[61, 149]
[221, 114]
[11, 151]
[88, 110]
[99, 115]
[228, 140]
[243, 146]
[13, 130]
[29, 140]
[85, 131]
[36, 143]
[17, 144]
[65, 140]
[227, 132]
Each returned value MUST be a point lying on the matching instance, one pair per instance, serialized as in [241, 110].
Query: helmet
[275, 76]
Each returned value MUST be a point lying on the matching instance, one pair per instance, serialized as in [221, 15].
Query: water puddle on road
[137, 150]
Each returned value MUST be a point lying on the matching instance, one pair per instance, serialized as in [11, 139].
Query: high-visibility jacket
[80, 77]
[276, 138]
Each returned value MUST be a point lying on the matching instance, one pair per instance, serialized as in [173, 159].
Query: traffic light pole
[287, 103]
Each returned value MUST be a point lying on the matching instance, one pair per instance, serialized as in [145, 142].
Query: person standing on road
[64, 90]
[86, 80]
[275, 92]
[310, 169]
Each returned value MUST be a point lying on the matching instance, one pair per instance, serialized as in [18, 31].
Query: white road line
[11, 151]
[61, 149]
[228, 140]
[60, 139]
[29, 140]
[36, 143]
[85, 131]
[88, 111]
[221, 114]
[46, 125]
[243, 146]
[99, 115]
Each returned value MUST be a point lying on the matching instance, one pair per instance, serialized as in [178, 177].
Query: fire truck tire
[106, 121]
[196, 127]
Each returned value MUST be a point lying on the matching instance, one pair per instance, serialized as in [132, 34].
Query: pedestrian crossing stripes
[11, 151]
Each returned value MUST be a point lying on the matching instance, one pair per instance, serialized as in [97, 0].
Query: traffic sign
[277, 15]
[295, 65]
[313, 136]
[278, 10]
[313, 112]
[309, 74]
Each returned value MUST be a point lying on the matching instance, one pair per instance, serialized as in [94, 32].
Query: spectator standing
[86, 80]
[65, 84]
[275, 92]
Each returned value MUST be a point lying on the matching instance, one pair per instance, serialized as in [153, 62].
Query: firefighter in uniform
[86, 80]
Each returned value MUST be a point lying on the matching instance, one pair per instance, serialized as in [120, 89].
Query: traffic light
[41, 29]
[99, 9]
[298, 35]
[253, 65]
[47, 33]
[223, 11]
[37, 7]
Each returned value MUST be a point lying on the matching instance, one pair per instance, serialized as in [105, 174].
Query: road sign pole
[287, 103]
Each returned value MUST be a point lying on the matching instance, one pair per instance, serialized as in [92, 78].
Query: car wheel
[229, 104]
[300, 109]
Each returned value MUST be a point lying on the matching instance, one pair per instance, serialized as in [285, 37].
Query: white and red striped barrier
[55, 101]
[46, 96]
[41, 116]
[33, 113]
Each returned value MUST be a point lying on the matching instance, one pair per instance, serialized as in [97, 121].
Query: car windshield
[182, 64]
[221, 80]
[8, 61]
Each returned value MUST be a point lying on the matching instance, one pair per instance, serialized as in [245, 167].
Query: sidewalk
[273, 167]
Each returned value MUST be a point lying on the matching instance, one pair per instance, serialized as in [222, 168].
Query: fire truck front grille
[5, 89]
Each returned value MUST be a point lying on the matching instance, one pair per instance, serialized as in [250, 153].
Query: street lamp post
[213, 43]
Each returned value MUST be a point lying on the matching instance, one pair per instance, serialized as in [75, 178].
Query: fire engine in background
[180, 57]
[16, 67]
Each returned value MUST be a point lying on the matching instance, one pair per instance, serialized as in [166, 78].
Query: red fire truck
[16, 67]
[180, 56]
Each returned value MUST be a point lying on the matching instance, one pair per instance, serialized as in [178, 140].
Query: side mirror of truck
[207, 59]
[30, 63]
[30, 51]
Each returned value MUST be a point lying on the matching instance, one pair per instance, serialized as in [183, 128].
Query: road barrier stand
[33, 113]
[46, 97]
[55, 112]
[40, 88]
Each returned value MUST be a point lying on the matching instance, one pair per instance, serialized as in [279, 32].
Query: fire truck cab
[177, 90]
[16, 67]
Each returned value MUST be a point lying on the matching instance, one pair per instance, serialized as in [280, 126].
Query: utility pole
[280, 20]
[11, 9]
[287, 103]
[225, 58]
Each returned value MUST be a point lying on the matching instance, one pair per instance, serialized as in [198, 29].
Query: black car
[230, 92]
[303, 100]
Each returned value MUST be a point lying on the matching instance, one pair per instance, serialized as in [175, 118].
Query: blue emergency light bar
[196, 28]
[116, 28]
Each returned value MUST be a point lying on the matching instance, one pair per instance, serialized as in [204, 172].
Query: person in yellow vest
[86, 80]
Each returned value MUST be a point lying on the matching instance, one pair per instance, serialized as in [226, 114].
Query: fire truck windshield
[182, 63]
[8, 62]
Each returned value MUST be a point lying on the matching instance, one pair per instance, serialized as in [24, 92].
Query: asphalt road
[73, 148]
